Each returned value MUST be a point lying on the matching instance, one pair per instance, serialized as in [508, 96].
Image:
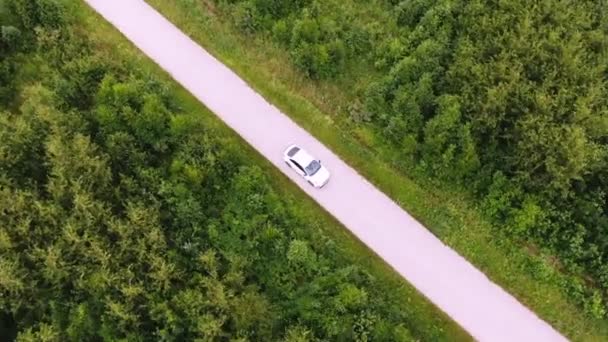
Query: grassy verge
[425, 320]
[448, 213]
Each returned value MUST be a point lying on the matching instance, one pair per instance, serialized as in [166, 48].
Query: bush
[408, 13]
[281, 32]
[448, 146]
[10, 38]
[526, 218]
[595, 305]
[501, 196]
[32, 13]
[315, 60]
[247, 18]
[7, 86]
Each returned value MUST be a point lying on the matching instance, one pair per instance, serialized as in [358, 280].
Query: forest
[125, 217]
[506, 99]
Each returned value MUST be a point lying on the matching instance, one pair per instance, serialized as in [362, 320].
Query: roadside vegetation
[486, 120]
[128, 212]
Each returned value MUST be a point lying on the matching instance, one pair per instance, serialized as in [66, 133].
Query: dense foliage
[509, 98]
[124, 218]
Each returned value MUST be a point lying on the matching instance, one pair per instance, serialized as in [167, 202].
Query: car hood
[321, 177]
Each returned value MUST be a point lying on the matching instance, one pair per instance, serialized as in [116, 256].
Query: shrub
[448, 146]
[10, 37]
[247, 18]
[281, 32]
[32, 13]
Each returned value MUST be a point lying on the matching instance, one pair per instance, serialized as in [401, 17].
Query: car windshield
[313, 167]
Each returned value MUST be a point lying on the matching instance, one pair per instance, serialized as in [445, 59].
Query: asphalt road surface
[481, 307]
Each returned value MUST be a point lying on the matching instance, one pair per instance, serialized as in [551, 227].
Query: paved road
[486, 311]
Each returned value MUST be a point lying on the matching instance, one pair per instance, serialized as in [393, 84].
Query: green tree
[448, 148]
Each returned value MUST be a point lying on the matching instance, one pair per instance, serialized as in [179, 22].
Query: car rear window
[293, 151]
[313, 167]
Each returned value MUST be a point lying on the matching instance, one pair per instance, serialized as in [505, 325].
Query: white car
[306, 166]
